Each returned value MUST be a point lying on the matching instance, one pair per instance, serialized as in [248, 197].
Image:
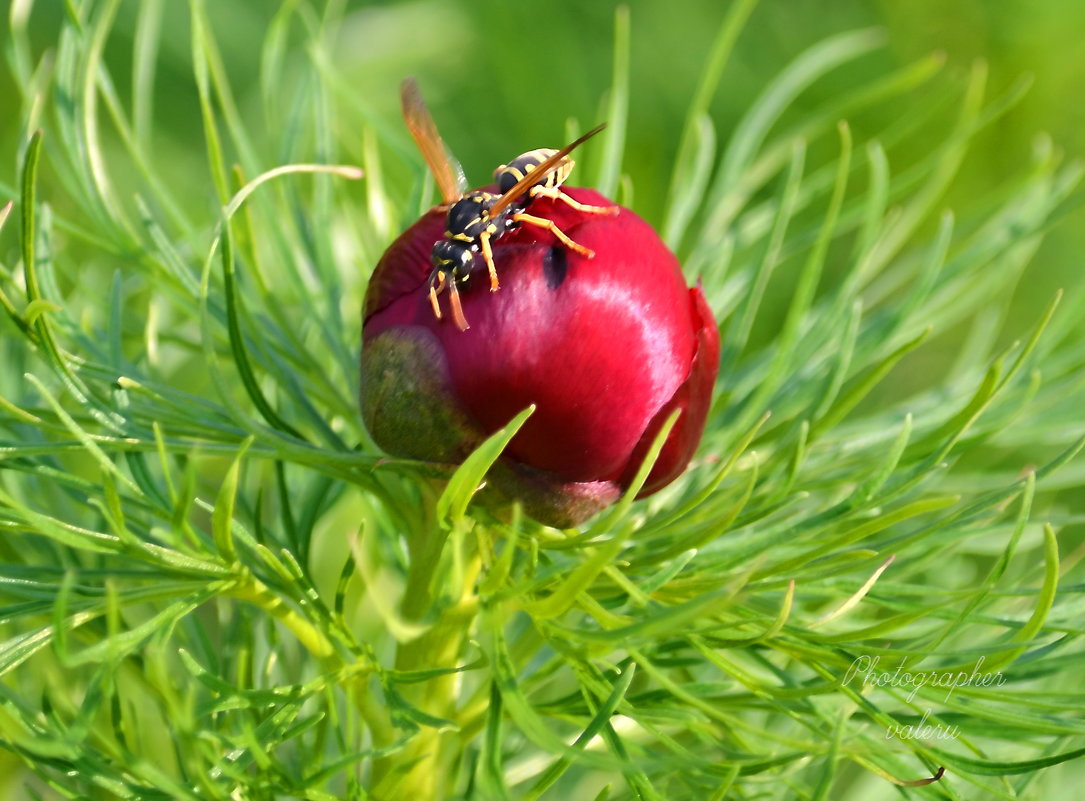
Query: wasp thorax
[469, 216]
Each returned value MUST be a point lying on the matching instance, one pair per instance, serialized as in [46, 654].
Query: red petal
[602, 346]
[693, 398]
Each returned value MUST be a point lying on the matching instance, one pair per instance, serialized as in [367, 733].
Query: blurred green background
[504, 78]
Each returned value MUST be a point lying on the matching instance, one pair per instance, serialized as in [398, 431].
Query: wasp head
[455, 258]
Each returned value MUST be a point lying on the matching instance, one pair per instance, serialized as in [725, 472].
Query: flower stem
[418, 771]
[248, 588]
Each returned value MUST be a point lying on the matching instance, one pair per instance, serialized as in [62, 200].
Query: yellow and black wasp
[477, 218]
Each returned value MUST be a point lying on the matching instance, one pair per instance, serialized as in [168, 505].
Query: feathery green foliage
[212, 585]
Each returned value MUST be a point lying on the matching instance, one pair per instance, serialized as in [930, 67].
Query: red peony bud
[606, 348]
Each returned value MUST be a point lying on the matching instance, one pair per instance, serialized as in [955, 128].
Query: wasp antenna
[541, 171]
[436, 286]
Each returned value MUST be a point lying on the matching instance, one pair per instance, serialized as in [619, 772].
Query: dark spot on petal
[555, 265]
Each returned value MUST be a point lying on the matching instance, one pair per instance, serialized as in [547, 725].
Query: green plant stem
[416, 773]
[423, 763]
[247, 588]
[256, 592]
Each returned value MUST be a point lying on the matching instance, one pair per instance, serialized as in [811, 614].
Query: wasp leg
[549, 225]
[554, 193]
[488, 257]
[456, 306]
[436, 287]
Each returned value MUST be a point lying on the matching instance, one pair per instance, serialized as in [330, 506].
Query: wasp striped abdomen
[521, 168]
[508, 175]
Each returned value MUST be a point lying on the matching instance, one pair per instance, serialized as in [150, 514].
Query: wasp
[477, 218]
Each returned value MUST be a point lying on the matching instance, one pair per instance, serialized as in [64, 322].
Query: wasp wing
[541, 172]
[447, 172]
